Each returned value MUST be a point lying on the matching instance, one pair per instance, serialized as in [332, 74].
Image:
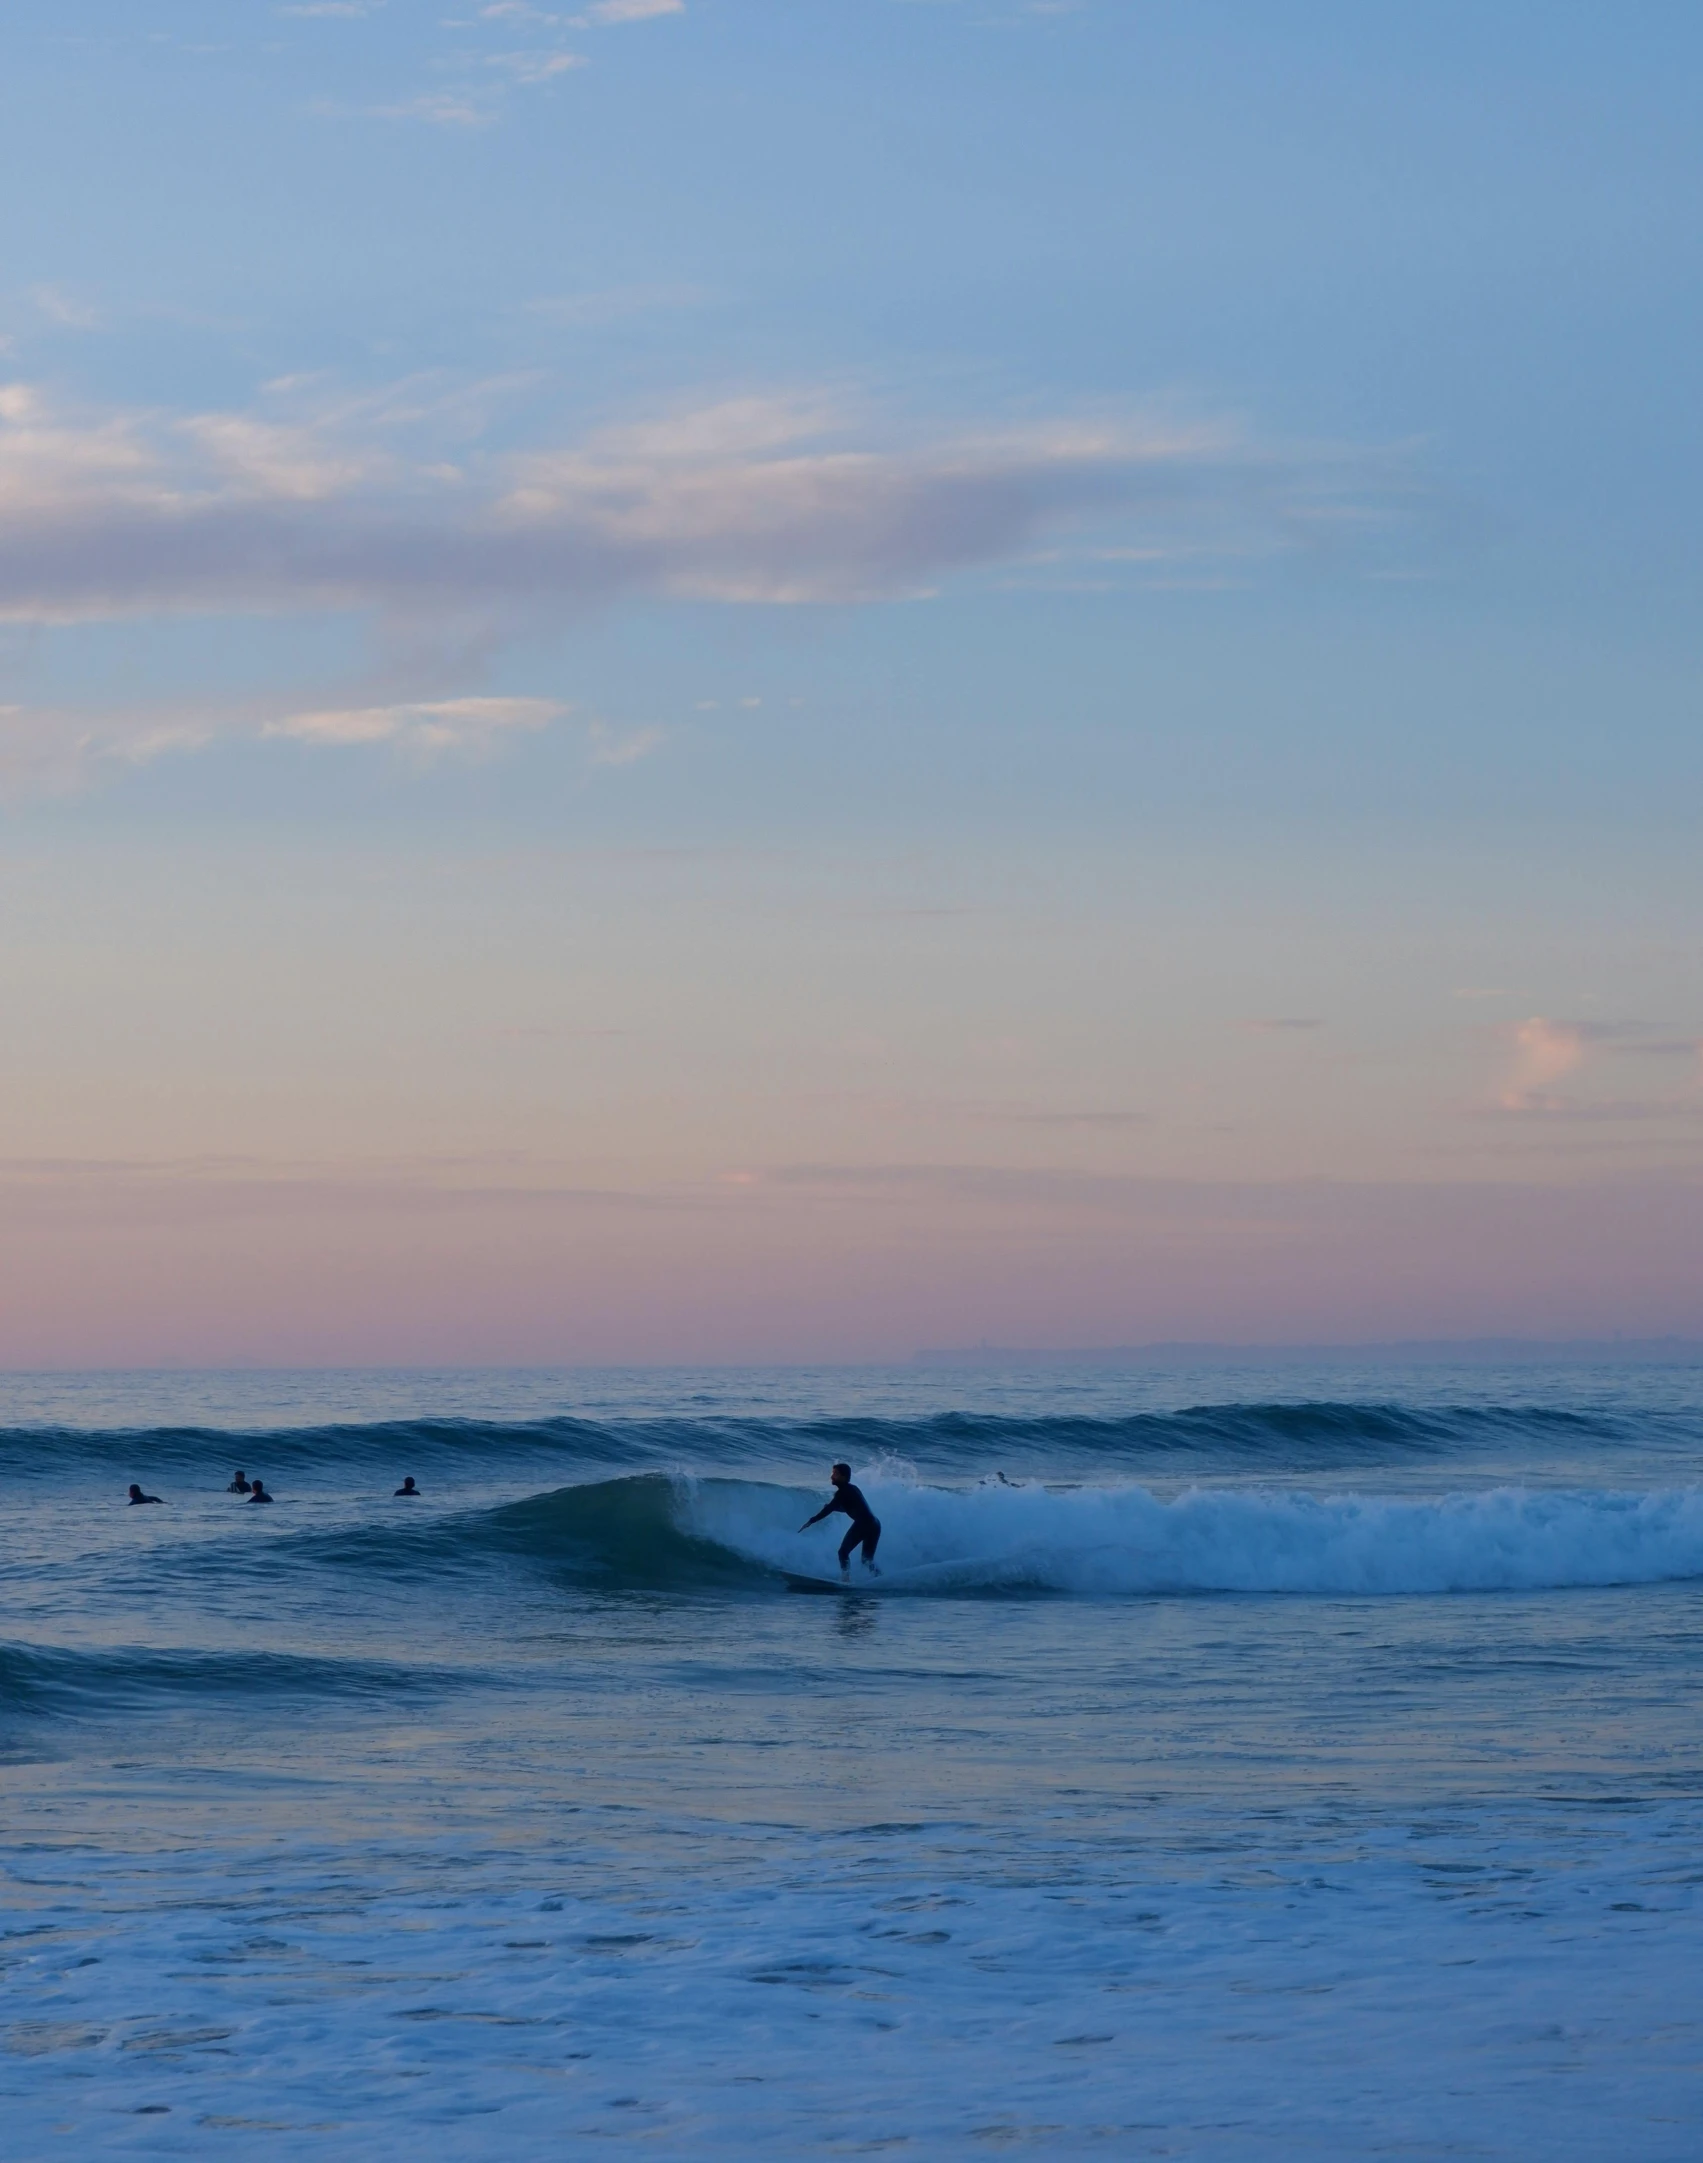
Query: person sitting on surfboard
[865, 1529]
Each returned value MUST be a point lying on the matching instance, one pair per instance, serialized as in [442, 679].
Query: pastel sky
[700, 680]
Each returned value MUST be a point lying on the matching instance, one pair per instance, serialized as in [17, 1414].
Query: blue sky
[876, 638]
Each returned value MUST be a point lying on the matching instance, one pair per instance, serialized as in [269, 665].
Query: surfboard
[796, 1582]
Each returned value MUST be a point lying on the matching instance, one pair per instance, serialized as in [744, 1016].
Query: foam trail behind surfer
[865, 1528]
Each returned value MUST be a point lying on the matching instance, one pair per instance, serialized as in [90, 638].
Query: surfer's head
[839, 1474]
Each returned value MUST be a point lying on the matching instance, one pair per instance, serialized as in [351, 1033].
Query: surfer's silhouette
[409, 1489]
[239, 1485]
[865, 1528]
[258, 1492]
[136, 1494]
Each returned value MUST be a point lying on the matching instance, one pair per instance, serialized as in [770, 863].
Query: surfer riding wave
[865, 1528]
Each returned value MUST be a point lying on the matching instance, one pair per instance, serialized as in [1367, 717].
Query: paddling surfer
[865, 1528]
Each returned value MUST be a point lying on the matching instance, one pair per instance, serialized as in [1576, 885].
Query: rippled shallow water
[1229, 1764]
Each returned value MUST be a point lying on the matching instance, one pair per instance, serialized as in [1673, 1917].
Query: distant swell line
[70, 1678]
[1293, 1435]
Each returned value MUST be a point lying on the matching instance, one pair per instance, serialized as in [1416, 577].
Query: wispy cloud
[606, 14]
[480, 61]
[1016, 1115]
[766, 498]
[1544, 1052]
[65, 310]
[617, 747]
[1673, 1047]
[49, 750]
[609, 12]
[535, 67]
[421, 726]
[441, 108]
[476, 78]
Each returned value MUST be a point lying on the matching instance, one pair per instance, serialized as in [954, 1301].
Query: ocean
[1234, 1761]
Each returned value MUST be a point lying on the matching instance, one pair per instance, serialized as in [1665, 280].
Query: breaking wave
[655, 1532]
[1129, 1540]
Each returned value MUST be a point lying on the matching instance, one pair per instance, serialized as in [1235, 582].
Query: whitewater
[1229, 1763]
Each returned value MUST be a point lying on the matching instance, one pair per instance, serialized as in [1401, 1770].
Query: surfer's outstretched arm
[825, 1511]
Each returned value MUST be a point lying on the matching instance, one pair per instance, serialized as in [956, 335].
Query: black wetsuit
[865, 1525]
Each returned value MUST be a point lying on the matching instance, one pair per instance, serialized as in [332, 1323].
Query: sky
[707, 681]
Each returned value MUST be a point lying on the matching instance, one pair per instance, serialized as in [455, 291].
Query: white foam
[1127, 1539]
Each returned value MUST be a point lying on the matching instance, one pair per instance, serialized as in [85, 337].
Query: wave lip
[1127, 1540]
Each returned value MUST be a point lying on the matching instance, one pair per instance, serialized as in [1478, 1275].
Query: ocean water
[1231, 1763]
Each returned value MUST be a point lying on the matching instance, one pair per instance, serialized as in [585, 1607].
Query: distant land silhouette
[1465, 1351]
